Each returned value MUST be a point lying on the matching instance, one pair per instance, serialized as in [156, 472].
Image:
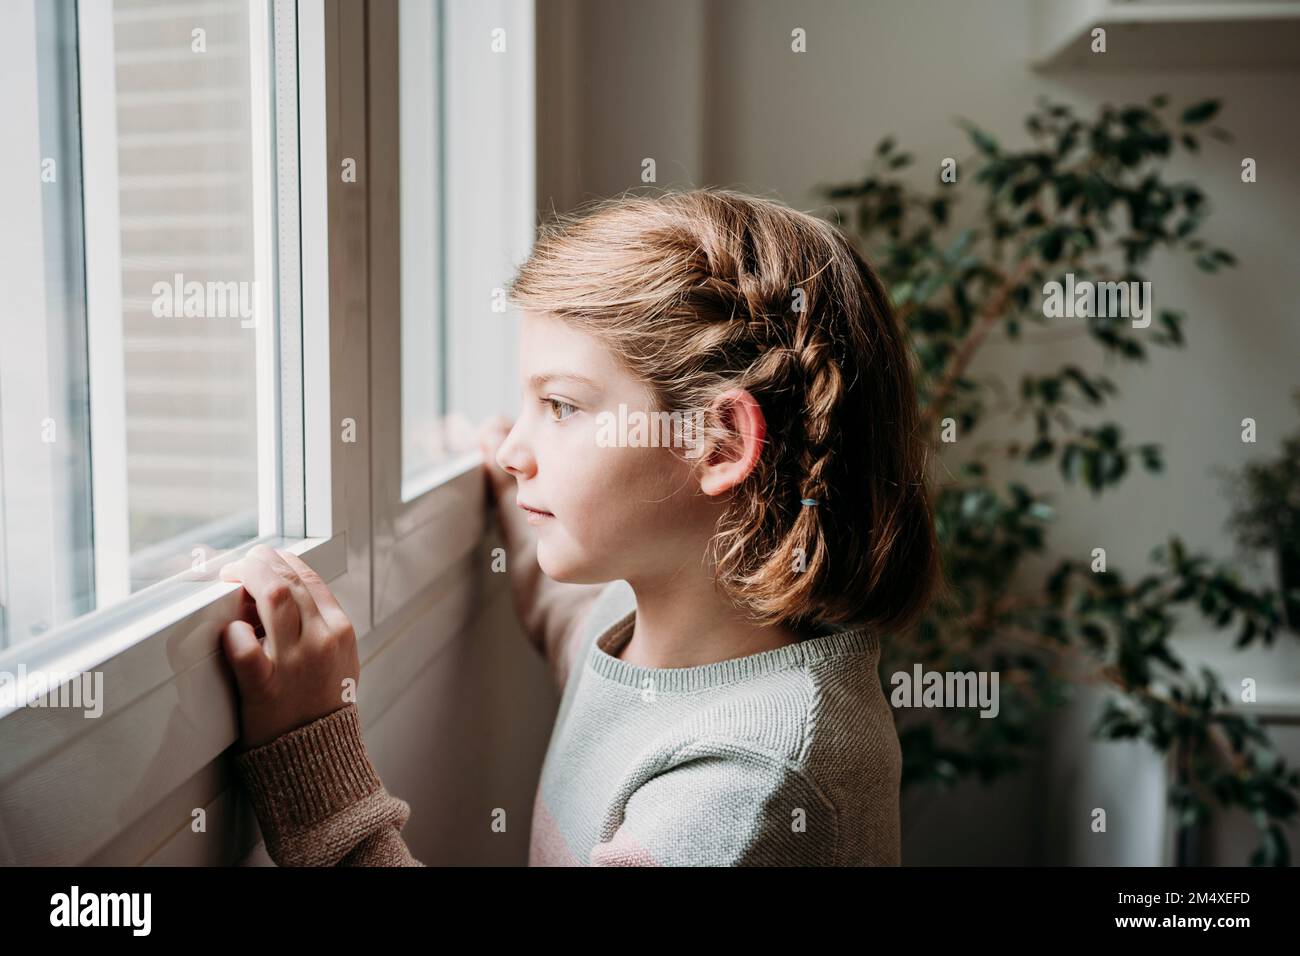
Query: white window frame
[491, 213]
[122, 787]
[97, 81]
[421, 248]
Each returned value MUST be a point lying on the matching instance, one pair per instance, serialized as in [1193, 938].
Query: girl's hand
[296, 673]
[490, 436]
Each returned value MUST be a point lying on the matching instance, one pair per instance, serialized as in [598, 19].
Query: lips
[535, 511]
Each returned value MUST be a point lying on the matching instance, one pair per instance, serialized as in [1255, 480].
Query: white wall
[467, 739]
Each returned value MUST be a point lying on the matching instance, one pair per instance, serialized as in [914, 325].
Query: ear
[730, 459]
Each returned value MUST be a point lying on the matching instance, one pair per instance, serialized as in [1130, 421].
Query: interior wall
[464, 744]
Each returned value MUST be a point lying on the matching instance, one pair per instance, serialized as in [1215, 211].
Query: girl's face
[613, 510]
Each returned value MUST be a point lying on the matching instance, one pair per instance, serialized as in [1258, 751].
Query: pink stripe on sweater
[546, 846]
[621, 850]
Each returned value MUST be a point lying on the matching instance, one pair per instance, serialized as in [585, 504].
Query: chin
[551, 567]
[567, 571]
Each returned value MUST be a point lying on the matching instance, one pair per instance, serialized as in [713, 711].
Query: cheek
[616, 497]
[577, 475]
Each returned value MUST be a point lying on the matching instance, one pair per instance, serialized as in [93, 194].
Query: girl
[714, 502]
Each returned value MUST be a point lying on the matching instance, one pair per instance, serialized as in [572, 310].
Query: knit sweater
[784, 757]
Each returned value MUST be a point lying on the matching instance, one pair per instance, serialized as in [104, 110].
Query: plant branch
[994, 312]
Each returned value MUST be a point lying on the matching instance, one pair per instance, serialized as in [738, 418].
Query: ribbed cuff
[314, 775]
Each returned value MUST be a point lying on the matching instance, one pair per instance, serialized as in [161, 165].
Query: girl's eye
[559, 410]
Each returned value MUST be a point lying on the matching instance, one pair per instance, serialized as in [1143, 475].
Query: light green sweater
[786, 757]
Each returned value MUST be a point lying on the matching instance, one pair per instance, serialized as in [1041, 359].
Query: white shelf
[1164, 34]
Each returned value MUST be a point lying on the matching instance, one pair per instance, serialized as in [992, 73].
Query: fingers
[493, 425]
[282, 600]
[313, 597]
[458, 432]
[248, 612]
[308, 610]
[328, 605]
[490, 436]
[247, 659]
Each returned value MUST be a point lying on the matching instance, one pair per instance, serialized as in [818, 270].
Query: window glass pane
[191, 145]
[419, 72]
[138, 422]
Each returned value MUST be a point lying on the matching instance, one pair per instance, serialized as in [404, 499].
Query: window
[141, 384]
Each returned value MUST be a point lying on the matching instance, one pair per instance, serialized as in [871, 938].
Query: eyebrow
[537, 381]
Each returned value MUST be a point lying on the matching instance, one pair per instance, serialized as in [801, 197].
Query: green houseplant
[1088, 197]
[1266, 516]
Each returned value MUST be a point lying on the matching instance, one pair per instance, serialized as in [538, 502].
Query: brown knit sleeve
[319, 800]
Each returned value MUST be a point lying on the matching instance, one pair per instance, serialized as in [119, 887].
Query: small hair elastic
[808, 502]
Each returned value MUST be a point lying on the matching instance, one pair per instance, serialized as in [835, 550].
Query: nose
[514, 454]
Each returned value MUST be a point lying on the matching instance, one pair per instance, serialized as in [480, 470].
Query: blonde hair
[702, 291]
